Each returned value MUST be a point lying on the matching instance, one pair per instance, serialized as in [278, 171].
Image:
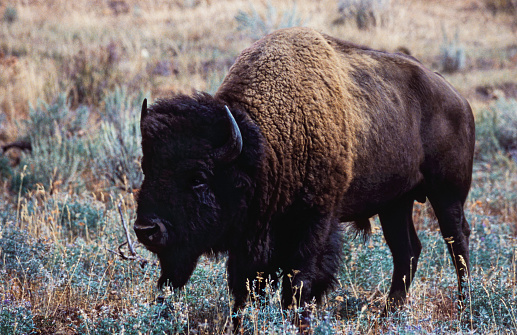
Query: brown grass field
[199, 39]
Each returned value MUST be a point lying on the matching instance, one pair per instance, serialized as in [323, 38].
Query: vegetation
[259, 23]
[366, 13]
[73, 89]
[452, 55]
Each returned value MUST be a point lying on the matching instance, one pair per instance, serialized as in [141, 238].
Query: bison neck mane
[241, 196]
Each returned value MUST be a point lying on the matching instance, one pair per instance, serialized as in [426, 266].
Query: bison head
[189, 147]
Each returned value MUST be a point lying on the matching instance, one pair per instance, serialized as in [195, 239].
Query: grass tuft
[365, 13]
[10, 14]
[452, 54]
[261, 21]
[496, 131]
[117, 144]
[92, 74]
[15, 317]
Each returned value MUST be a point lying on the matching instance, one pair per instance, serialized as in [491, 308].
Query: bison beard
[305, 132]
[177, 267]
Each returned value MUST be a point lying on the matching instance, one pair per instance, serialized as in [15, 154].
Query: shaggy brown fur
[335, 114]
[294, 86]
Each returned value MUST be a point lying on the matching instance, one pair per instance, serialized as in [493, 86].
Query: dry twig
[133, 255]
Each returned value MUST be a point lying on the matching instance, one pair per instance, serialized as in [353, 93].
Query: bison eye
[198, 180]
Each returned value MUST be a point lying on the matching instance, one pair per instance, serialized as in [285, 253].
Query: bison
[306, 132]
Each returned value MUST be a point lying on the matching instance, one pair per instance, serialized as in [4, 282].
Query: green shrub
[60, 152]
[366, 13]
[57, 119]
[496, 129]
[80, 216]
[22, 255]
[506, 123]
[493, 301]
[23, 181]
[326, 326]
[6, 171]
[54, 162]
[117, 148]
[365, 264]
[159, 318]
[452, 54]
[495, 188]
[91, 74]
[350, 306]
[15, 318]
[10, 14]
[487, 145]
[260, 22]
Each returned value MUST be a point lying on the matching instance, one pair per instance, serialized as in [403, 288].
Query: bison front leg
[401, 237]
[237, 277]
[245, 278]
[312, 270]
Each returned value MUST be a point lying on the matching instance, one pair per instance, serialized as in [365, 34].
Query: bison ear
[233, 147]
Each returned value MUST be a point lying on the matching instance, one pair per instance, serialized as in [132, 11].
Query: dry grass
[193, 36]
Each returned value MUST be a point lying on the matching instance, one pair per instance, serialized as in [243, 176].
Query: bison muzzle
[305, 132]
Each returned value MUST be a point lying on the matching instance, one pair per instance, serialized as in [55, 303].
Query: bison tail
[362, 228]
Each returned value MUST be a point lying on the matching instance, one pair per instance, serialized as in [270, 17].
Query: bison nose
[144, 231]
[151, 231]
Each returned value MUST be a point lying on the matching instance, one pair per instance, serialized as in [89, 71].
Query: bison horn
[233, 147]
[144, 110]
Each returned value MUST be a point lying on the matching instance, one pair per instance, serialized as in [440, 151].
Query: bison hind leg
[455, 231]
[402, 239]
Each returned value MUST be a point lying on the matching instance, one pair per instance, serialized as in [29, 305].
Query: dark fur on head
[195, 209]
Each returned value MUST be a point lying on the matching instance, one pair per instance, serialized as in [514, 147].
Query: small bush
[486, 142]
[59, 151]
[495, 189]
[504, 6]
[92, 74]
[452, 54]
[15, 317]
[81, 217]
[6, 171]
[56, 119]
[350, 306]
[117, 149]
[326, 326]
[22, 255]
[359, 259]
[10, 15]
[492, 305]
[496, 129]
[160, 318]
[493, 297]
[54, 163]
[506, 123]
[366, 13]
[260, 22]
